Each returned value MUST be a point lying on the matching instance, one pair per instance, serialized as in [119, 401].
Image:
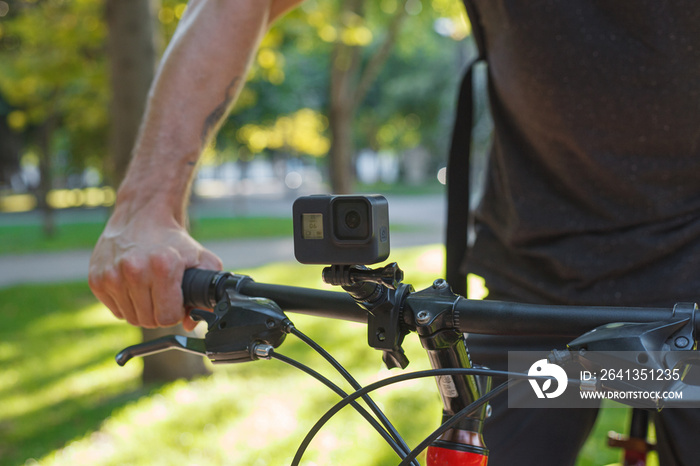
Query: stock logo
[543, 368]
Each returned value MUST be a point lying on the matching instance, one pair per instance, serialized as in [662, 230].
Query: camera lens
[353, 219]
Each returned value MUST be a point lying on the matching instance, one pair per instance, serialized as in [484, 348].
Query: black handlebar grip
[200, 288]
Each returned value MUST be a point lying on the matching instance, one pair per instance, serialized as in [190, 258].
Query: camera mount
[380, 292]
[347, 275]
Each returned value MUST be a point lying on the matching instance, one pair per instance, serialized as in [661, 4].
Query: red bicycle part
[438, 456]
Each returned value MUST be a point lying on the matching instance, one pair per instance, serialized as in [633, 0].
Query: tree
[329, 56]
[400, 93]
[9, 147]
[52, 72]
[350, 82]
[412, 102]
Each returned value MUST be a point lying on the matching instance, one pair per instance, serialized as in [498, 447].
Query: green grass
[64, 401]
[24, 239]
[21, 239]
[57, 381]
[432, 187]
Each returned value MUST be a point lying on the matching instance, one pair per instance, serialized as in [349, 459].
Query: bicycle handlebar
[506, 318]
[203, 288]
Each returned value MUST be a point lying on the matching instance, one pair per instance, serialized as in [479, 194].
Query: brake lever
[239, 329]
[177, 342]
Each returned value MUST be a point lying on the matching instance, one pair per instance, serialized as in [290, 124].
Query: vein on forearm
[215, 118]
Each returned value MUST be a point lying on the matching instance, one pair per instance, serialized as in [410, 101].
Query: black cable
[390, 381]
[368, 417]
[453, 420]
[351, 380]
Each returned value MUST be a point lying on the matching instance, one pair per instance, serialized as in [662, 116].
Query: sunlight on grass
[245, 419]
[79, 370]
[227, 419]
[57, 344]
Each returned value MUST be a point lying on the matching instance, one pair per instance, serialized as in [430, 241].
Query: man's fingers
[126, 307]
[106, 300]
[166, 290]
[209, 261]
[98, 285]
[188, 324]
[135, 280]
[141, 301]
[111, 286]
[167, 299]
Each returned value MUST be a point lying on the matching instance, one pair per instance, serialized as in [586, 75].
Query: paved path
[236, 254]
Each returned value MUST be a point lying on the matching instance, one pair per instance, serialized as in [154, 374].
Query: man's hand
[137, 266]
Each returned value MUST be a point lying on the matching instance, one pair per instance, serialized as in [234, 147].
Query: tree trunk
[45, 133]
[132, 53]
[341, 170]
[10, 150]
[350, 82]
[345, 68]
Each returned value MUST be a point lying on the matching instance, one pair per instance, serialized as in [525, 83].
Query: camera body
[341, 230]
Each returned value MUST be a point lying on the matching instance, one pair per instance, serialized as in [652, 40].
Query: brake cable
[355, 385]
[368, 417]
[466, 411]
[402, 378]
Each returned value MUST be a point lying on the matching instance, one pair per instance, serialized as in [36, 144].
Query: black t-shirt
[593, 187]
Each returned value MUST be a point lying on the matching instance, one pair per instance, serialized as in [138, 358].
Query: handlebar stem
[430, 311]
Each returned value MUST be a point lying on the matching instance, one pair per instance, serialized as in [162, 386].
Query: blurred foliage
[410, 104]
[300, 133]
[413, 99]
[53, 64]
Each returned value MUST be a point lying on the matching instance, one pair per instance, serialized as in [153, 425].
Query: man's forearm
[201, 74]
[137, 266]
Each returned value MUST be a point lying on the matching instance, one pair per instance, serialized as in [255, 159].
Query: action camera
[341, 230]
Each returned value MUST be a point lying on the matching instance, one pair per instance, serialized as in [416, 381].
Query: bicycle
[249, 322]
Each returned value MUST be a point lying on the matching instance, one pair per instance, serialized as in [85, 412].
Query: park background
[378, 75]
